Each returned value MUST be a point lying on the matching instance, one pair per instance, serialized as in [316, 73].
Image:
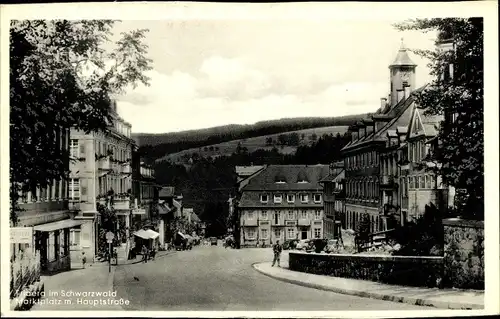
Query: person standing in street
[84, 259]
[277, 248]
[144, 253]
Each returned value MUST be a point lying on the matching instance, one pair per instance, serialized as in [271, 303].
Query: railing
[23, 273]
[396, 270]
[304, 222]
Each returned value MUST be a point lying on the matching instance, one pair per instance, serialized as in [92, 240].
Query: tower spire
[402, 44]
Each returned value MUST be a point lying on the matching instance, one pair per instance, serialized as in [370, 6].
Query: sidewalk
[439, 298]
[80, 289]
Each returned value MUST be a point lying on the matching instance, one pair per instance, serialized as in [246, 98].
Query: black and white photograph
[212, 158]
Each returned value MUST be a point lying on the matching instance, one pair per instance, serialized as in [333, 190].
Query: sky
[216, 72]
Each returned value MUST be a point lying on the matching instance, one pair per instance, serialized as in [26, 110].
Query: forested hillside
[154, 146]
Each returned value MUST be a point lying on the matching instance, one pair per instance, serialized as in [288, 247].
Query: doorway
[303, 234]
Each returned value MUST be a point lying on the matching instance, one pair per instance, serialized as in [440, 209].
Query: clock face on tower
[405, 76]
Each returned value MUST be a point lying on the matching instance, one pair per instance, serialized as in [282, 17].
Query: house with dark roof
[370, 165]
[282, 202]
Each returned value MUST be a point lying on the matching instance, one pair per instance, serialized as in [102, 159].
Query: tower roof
[402, 59]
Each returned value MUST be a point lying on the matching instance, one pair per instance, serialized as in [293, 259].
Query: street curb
[373, 295]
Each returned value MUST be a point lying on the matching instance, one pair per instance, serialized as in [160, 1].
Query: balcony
[120, 202]
[250, 222]
[74, 205]
[387, 182]
[104, 164]
[304, 222]
[126, 168]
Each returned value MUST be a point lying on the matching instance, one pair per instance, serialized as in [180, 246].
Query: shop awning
[152, 234]
[146, 234]
[62, 224]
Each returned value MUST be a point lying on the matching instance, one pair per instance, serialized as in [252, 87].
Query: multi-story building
[44, 222]
[145, 190]
[333, 199]
[370, 158]
[282, 202]
[423, 185]
[101, 164]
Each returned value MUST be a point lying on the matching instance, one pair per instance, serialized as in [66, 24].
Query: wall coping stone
[458, 222]
[386, 258]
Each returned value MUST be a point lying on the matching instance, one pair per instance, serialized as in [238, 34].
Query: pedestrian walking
[144, 253]
[277, 249]
[84, 259]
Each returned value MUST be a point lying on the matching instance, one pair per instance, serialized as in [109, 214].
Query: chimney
[401, 94]
[383, 102]
[407, 91]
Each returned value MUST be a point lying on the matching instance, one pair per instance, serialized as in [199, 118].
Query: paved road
[214, 278]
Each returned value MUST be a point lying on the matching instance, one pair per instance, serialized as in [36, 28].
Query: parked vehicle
[213, 241]
[290, 244]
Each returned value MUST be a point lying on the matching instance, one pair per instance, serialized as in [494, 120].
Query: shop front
[52, 240]
[146, 237]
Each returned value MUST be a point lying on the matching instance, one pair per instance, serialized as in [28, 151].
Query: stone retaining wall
[396, 270]
[464, 253]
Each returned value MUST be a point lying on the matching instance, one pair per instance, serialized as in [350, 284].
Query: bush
[423, 237]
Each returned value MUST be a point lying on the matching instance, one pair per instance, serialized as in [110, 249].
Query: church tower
[402, 75]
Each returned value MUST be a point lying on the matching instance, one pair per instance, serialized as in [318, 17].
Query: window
[264, 214]
[251, 233]
[290, 214]
[278, 198]
[304, 198]
[432, 181]
[290, 198]
[317, 198]
[317, 214]
[303, 214]
[250, 215]
[317, 232]
[264, 233]
[276, 217]
[291, 233]
[263, 198]
[73, 148]
[74, 189]
[422, 181]
[428, 181]
[277, 233]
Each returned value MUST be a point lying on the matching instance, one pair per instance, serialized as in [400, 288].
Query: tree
[460, 150]
[282, 139]
[62, 77]
[314, 137]
[294, 139]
